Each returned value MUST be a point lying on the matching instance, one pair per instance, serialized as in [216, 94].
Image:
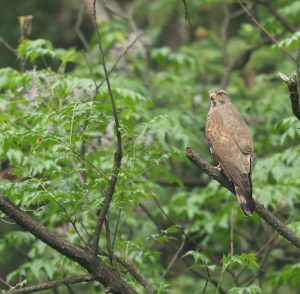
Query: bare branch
[52, 284]
[118, 154]
[294, 94]
[259, 208]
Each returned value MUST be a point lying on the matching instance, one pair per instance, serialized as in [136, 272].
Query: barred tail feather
[245, 201]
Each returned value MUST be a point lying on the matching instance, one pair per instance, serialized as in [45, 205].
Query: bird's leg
[219, 168]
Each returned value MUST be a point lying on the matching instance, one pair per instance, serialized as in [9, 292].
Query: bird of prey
[231, 143]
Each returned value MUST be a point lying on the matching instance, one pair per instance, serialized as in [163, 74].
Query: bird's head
[218, 97]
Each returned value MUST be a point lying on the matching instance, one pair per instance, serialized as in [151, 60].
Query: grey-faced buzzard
[231, 143]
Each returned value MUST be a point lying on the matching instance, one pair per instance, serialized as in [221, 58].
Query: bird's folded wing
[239, 130]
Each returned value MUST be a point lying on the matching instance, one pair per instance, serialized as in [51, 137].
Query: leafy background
[57, 139]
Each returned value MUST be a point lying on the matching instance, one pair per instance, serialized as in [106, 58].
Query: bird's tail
[245, 201]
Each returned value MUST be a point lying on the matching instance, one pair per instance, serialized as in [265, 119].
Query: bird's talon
[219, 168]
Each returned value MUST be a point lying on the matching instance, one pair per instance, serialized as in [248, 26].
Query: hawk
[231, 143]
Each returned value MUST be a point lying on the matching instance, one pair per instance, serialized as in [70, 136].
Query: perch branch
[259, 208]
[52, 284]
[294, 94]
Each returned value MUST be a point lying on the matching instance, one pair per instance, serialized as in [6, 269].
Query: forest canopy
[107, 183]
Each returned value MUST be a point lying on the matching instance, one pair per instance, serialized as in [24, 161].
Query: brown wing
[238, 129]
[235, 163]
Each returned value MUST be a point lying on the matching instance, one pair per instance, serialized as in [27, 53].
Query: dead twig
[294, 94]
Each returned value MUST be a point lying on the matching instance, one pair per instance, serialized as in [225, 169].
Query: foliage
[57, 134]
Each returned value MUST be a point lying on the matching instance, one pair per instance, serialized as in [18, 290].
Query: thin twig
[100, 173]
[8, 46]
[260, 251]
[78, 233]
[157, 202]
[78, 24]
[119, 59]
[174, 258]
[232, 232]
[186, 12]
[200, 248]
[52, 284]
[2, 281]
[116, 229]
[207, 280]
[279, 17]
[136, 274]
[6, 222]
[192, 270]
[108, 242]
[118, 154]
[224, 29]
[264, 30]
[241, 61]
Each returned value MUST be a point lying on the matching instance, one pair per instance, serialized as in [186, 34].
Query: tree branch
[136, 274]
[280, 18]
[118, 154]
[78, 31]
[294, 94]
[52, 284]
[240, 61]
[186, 12]
[94, 265]
[259, 208]
[264, 30]
[196, 272]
